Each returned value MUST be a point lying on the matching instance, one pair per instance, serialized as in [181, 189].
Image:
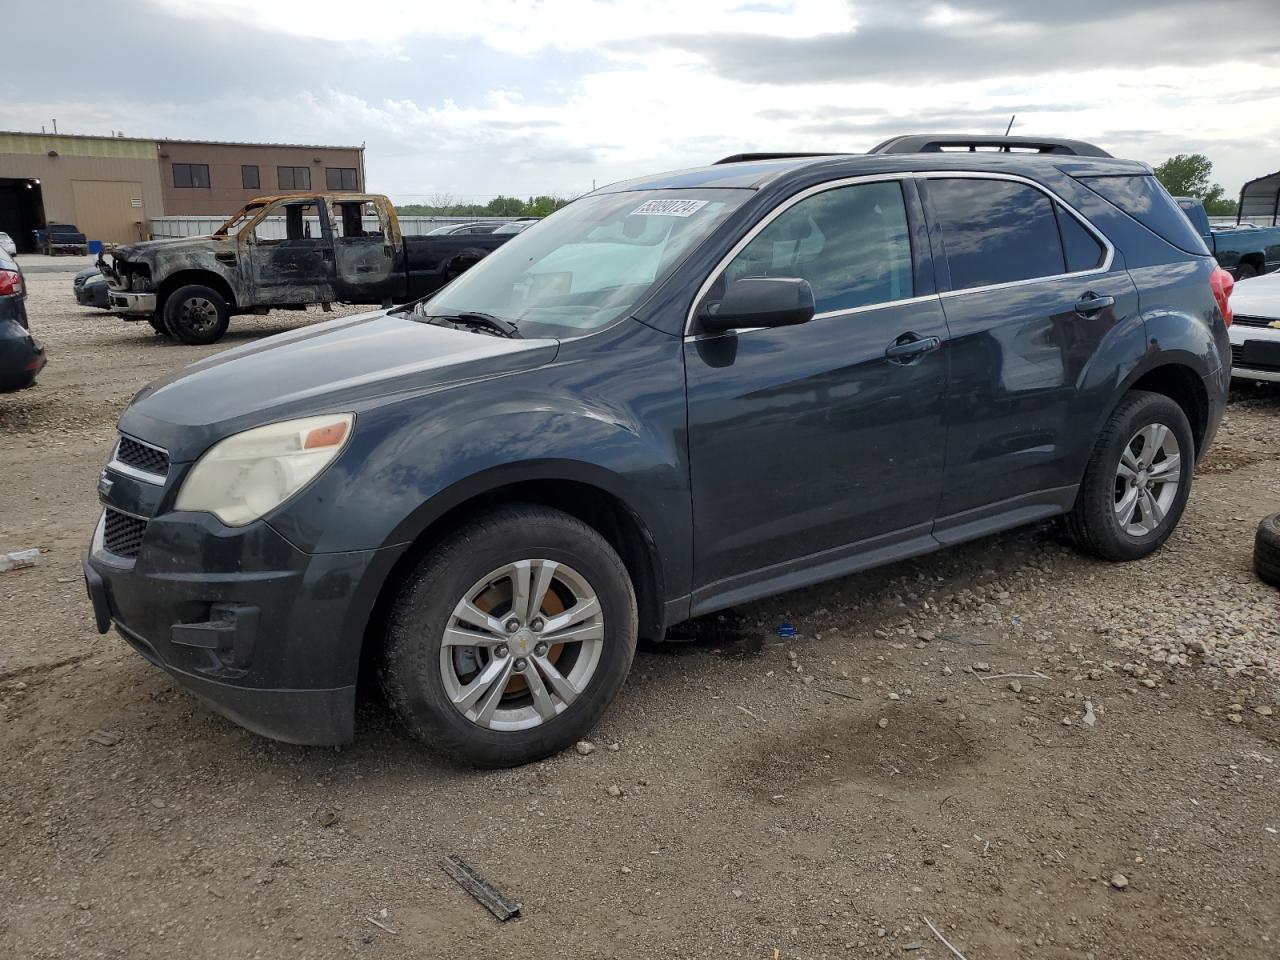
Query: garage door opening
[21, 211]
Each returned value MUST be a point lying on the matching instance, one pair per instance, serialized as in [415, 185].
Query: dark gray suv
[674, 395]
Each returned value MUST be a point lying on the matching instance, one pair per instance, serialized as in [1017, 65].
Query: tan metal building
[213, 178]
[111, 187]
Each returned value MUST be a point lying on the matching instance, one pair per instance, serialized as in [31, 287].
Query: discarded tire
[1266, 550]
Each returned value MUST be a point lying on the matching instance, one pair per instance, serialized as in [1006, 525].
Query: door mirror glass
[761, 302]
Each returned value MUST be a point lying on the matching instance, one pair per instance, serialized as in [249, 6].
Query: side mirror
[761, 302]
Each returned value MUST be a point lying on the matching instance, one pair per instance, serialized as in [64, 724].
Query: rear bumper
[137, 304]
[266, 635]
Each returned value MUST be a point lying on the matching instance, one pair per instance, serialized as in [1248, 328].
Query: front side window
[290, 220]
[294, 178]
[996, 231]
[850, 243]
[188, 175]
[589, 263]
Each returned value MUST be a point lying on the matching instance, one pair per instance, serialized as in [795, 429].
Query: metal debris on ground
[104, 738]
[963, 641]
[480, 888]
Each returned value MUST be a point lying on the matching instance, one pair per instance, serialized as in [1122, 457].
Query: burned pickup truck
[283, 253]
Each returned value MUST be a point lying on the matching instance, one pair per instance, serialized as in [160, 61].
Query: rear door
[369, 265]
[1031, 292]
[815, 444]
[291, 254]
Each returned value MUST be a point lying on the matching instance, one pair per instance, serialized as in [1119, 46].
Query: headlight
[252, 473]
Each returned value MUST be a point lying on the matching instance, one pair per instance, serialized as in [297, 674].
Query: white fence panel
[273, 228]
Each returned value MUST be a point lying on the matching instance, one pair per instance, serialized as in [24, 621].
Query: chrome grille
[141, 456]
[122, 534]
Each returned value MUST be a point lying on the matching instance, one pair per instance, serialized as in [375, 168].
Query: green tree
[1187, 175]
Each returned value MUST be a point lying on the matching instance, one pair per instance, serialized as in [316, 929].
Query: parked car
[7, 246]
[466, 229]
[22, 356]
[92, 288]
[676, 395]
[1255, 334]
[58, 238]
[283, 252]
[516, 226]
[1245, 250]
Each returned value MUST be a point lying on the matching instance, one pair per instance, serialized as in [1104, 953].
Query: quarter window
[341, 178]
[996, 231]
[191, 175]
[294, 178]
[1082, 249]
[851, 244]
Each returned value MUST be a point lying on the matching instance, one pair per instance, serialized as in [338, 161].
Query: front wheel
[511, 637]
[1137, 482]
[196, 315]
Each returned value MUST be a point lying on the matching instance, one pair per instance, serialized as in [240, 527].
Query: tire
[1266, 550]
[196, 315]
[418, 676]
[1245, 271]
[1095, 522]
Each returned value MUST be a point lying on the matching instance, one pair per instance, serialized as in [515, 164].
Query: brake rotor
[552, 605]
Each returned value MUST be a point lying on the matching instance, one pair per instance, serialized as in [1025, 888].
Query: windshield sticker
[668, 208]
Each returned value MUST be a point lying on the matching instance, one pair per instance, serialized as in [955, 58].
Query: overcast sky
[469, 99]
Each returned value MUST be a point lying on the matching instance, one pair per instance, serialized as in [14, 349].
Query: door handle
[1091, 303]
[909, 346]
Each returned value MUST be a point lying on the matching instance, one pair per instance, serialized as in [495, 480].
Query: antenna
[1010, 126]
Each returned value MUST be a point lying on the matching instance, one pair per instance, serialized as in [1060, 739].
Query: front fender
[608, 413]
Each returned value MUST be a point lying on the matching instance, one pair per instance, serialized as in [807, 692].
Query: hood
[139, 251]
[1257, 296]
[348, 364]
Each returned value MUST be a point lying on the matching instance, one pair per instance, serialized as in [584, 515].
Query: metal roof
[1260, 198]
[160, 140]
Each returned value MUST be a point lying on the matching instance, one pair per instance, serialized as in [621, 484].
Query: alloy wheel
[198, 315]
[1147, 479]
[521, 645]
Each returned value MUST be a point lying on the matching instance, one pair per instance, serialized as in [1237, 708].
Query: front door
[815, 444]
[1034, 293]
[291, 254]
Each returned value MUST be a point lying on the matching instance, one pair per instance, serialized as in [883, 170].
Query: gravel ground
[1044, 755]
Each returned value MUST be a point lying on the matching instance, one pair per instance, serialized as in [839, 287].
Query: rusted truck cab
[282, 252]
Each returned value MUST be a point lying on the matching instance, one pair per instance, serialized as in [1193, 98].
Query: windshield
[589, 263]
[237, 221]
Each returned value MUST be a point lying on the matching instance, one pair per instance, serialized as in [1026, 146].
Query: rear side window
[995, 231]
[1144, 199]
[850, 243]
[1081, 248]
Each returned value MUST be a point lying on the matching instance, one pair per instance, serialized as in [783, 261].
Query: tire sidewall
[1155, 409]
[173, 314]
[411, 669]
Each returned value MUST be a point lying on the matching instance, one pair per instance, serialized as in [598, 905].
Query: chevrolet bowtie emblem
[1274, 324]
[105, 484]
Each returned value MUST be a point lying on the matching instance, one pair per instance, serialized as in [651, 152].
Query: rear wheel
[1137, 482]
[196, 315]
[511, 637]
[1266, 550]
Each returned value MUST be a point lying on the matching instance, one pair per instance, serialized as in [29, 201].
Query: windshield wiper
[474, 319]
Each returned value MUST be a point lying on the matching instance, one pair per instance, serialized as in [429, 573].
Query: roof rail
[942, 142]
[744, 157]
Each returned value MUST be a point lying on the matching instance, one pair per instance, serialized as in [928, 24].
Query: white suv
[1255, 334]
[7, 245]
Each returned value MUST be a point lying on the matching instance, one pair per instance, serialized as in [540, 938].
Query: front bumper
[1255, 351]
[136, 304]
[265, 634]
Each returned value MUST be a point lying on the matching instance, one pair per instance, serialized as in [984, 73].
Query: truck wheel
[510, 638]
[158, 325]
[1137, 482]
[196, 315]
[1266, 550]
[1246, 270]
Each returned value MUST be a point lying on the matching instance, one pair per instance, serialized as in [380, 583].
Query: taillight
[1222, 283]
[10, 283]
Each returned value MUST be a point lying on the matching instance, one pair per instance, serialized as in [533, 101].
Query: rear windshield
[62, 228]
[1144, 199]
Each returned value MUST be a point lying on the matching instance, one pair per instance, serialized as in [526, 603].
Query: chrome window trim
[116, 464]
[900, 176]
